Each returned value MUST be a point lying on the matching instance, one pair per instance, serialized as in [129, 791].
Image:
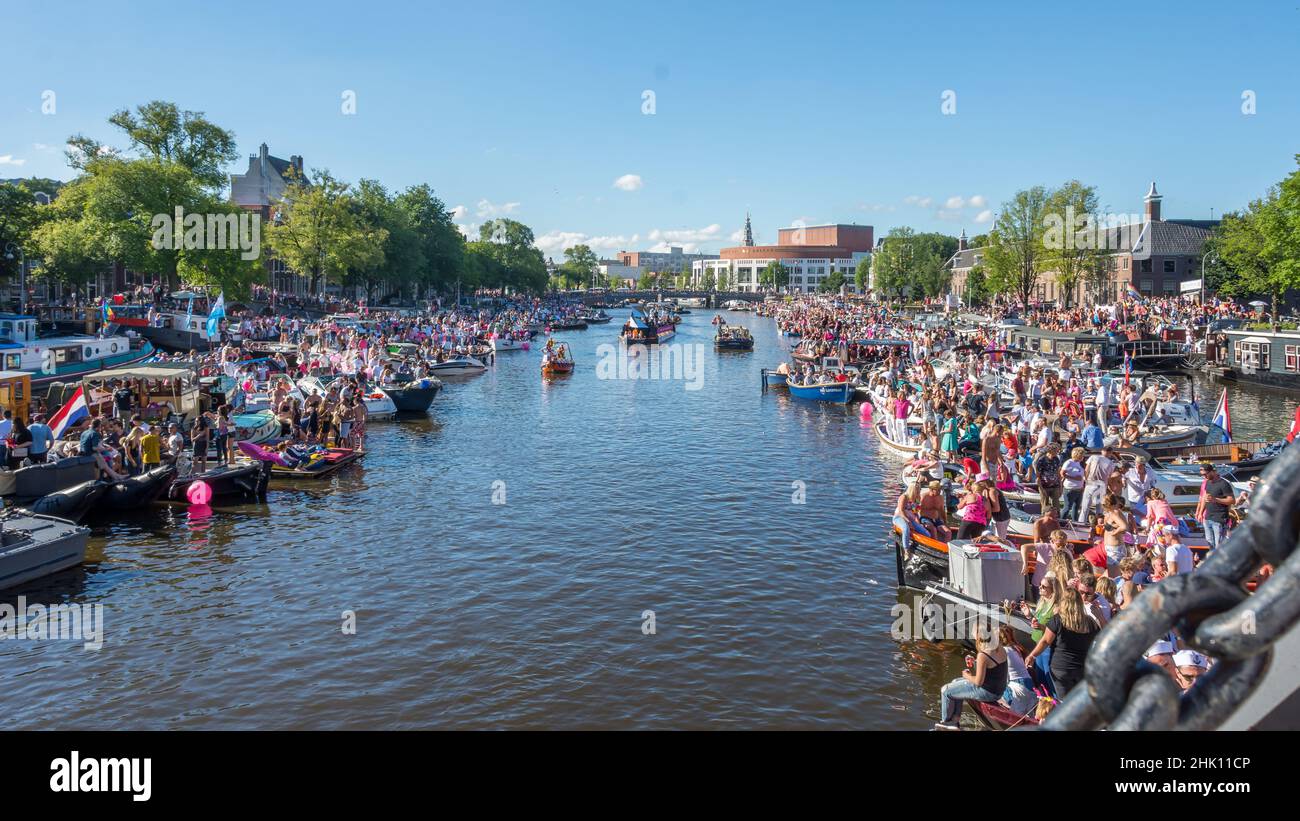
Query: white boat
[508, 343]
[901, 448]
[32, 546]
[379, 405]
[259, 399]
[458, 366]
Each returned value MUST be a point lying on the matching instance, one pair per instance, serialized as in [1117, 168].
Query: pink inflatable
[199, 492]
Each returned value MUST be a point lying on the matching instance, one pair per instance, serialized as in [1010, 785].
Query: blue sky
[820, 112]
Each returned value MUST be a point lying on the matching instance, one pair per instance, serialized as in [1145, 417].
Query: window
[1169, 266]
[1253, 353]
[1145, 286]
[1146, 266]
[1125, 266]
[1293, 357]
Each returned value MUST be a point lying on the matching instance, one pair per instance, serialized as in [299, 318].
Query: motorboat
[733, 338]
[33, 546]
[135, 492]
[303, 463]
[378, 404]
[557, 360]
[415, 396]
[457, 366]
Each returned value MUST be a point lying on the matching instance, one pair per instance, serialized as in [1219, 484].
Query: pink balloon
[199, 493]
[866, 410]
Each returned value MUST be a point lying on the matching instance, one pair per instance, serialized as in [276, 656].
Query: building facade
[671, 261]
[259, 189]
[810, 253]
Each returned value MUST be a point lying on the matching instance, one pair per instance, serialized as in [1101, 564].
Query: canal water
[582, 552]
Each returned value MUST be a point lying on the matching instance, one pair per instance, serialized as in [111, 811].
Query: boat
[377, 402]
[415, 396]
[900, 448]
[66, 358]
[26, 484]
[823, 391]
[775, 378]
[72, 503]
[33, 546]
[134, 492]
[733, 338]
[259, 398]
[457, 366]
[718, 320]
[647, 329]
[557, 360]
[311, 463]
[569, 324]
[246, 480]
[596, 317]
[1023, 515]
[1246, 459]
[181, 325]
[507, 342]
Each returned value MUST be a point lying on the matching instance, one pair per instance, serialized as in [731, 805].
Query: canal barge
[1150, 354]
[647, 329]
[1262, 357]
[51, 359]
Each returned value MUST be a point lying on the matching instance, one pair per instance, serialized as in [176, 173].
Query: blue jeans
[1214, 532]
[957, 691]
[1019, 696]
[1041, 672]
[906, 527]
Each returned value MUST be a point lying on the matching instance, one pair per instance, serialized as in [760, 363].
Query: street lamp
[10, 247]
[1206, 256]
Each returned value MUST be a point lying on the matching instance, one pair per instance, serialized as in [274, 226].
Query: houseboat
[1263, 357]
[63, 358]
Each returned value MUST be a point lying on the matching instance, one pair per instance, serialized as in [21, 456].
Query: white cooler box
[986, 576]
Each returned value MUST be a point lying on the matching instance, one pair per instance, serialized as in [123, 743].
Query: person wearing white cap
[1189, 665]
[1161, 654]
[1178, 556]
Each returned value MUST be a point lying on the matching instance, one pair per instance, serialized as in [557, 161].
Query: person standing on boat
[985, 681]
[42, 440]
[1096, 472]
[1137, 481]
[973, 509]
[1212, 508]
[949, 444]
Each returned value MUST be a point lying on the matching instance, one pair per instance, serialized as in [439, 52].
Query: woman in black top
[1070, 634]
[985, 681]
[20, 440]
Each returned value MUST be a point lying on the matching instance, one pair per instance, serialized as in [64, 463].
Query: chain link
[1213, 613]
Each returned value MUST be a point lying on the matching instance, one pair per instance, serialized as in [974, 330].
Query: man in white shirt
[1095, 473]
[1137, 481]
[1102, 400]
[1178, 556]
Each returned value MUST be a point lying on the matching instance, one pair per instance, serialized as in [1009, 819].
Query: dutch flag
[1222, 418]
[70, 414]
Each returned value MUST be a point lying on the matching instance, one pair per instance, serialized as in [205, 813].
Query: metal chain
[1213, 613]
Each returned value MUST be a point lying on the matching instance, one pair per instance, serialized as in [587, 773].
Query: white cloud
[950, 214]
[977, 201]
[875, 206]
[738, 235]
[10, 159]
[628, 182]
[984, 216]
[487, 209]
[707, 234]
[459, 212]
[954, 203]
[553, 244]
[924, 202]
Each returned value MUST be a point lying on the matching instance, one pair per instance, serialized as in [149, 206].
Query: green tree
[1015, 258]
[581, 264]
[1260, 247]
[724, 279]
[19, 217]
[774, 275]
[862, 274]
[976, 287]
[832, 283]
[709, 281]
[521, 264]
[402, 262]
[892, 262]
[318, 233]
[162, 131]
[1070, 249]
[442, 245]
[70, 251]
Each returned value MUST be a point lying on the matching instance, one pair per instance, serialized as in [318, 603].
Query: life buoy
[114, 348]
[90, 352]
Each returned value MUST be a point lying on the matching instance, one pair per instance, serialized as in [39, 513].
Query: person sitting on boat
[1019, 697]
[973, 508]
[92, 443]
[907, 515]
[933, 511]
[985, 679]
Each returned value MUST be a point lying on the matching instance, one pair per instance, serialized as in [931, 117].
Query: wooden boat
[995, 715]
[823, 391]
[377, 402]
[33, 546]
[557, 361]
[1023, 515]
[1245, 458]
[774, 378]
[573, 324]
[900, 448]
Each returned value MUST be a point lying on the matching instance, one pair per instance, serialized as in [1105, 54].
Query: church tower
[749, 232]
